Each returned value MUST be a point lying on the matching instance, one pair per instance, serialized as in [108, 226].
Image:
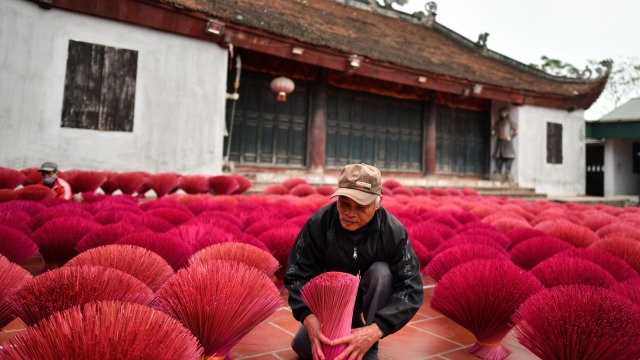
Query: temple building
[188, 86]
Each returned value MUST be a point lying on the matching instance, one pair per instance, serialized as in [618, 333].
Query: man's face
[47, 174]
[352, 215]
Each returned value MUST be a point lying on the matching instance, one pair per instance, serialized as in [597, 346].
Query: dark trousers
[507, 163]
[376, 287]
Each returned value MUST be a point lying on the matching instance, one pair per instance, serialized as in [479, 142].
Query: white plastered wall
[533, 171]
[179, 103]
[619, 178]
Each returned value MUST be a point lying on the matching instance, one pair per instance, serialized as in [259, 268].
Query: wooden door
[462, 138]
[595, 169]
[267, 132]
[381, 131]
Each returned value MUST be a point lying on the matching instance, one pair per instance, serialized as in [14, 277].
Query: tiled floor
[429, 335]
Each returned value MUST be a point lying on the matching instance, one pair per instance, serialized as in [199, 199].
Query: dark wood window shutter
[554, 143]
[100, 87]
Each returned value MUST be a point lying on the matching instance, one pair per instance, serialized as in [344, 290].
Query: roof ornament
[601, 69]
[482, 40]
[388, 3]
[584, 74]
[431, 7]
[430, 17]
[605, 69]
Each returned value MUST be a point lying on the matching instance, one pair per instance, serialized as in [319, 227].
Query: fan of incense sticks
[107, 330]
[175, 251]
[87, 181]
[521, 234]
[199, 235]
[130, 182]
[331, 297]
[279, 240]
[533, 251]
[48, 214]
[481, 296]
[276, 189]
[11, 178]
[460, 254]
[63, 288]
[579, 322]
[558, 271]
[242, 252]
[12, 277]
[35, 193]
[194, 184]
[30, 207]
[622, 247]
[143, 264]
[629, 288]
[574, 234]
[107, 235]
[175, 216]
[17, 219]
[226, 299]
[619, 269]
[244, 184]
[163, 183]
[58, 238]
[15, 245]
[223, 185]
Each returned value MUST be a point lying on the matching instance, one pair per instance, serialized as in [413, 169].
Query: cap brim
[47, 169]
[361, 197]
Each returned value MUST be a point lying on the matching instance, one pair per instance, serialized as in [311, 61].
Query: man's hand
[359, 342]
[314, 328]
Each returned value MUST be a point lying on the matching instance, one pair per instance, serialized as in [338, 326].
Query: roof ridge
[480, 46]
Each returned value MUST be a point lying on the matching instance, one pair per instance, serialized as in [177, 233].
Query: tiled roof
[400, 40]
[629, 111]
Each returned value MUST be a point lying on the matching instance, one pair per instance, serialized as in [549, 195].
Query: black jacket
[323, 245]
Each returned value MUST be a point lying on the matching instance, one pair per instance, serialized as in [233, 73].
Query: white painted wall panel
[568, 178]
[619, 178]
[179, 106]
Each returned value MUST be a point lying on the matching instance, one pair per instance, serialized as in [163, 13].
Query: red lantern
[282, 86]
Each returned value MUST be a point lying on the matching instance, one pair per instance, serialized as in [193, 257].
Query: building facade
[373, 85]
[613, 162]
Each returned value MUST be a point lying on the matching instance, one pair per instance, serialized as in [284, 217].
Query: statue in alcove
[504, 129]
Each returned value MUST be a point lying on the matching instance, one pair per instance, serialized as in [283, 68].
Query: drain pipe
[235, 96]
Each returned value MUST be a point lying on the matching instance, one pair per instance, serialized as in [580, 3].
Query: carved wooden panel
[100, 87]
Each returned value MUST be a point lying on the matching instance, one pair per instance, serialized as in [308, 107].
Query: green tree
[556, 67]
[623, 83]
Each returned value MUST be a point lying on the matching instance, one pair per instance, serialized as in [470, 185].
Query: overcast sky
[573, 31]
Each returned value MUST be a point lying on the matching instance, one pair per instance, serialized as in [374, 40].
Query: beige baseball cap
[360, 182]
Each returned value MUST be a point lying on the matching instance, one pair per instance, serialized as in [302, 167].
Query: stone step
[261, 180]
[615, 201]
[486, 187]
